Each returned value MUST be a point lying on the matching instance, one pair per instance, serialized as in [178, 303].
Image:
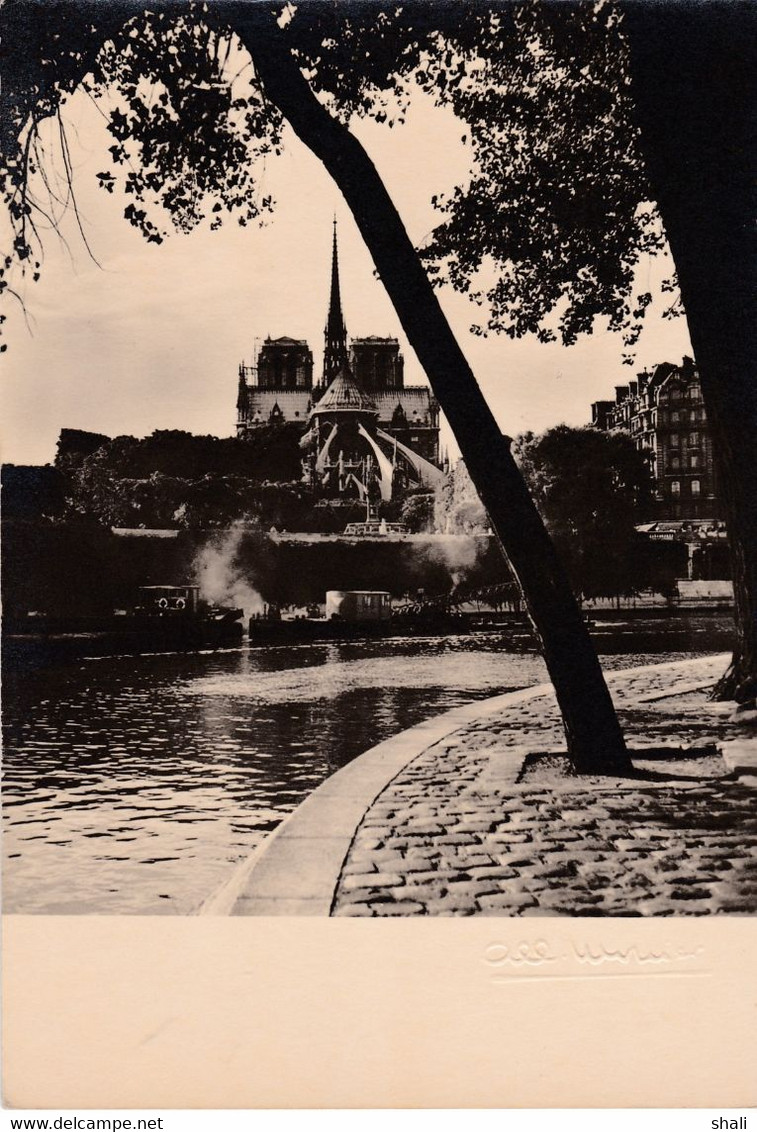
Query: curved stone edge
[296, 870]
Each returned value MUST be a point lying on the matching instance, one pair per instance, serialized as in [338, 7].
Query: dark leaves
[107, 181]
[192, 127]
[591, 488]
[548, 230]
[544, 235]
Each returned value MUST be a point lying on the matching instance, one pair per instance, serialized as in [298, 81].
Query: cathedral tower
[360, 427]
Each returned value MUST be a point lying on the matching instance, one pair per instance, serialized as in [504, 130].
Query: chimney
[599, 413]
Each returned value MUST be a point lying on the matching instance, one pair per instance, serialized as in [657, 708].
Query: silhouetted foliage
[172, 452]
[174, 479]
[31, 492]
[75, 444]
[505, 66]
[546, 231]
[417, 512]
[553, 211]
[592, 488]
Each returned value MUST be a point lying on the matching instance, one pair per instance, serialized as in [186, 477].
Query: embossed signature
[532, 952]
[581, 959]
[599, 953]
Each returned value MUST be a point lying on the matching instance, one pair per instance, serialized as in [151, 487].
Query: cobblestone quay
[488, 822]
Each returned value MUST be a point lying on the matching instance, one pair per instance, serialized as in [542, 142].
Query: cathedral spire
[335, 351]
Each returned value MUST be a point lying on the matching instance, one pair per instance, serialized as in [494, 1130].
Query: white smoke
[459, 553]
[220, 576]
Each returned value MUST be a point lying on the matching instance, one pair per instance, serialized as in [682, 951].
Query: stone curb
[296, 871]
[740, 756]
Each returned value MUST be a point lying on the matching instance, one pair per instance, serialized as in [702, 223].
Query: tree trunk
[694, 68]
[595, 741]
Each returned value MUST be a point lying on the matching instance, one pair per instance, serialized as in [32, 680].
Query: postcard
[378, 555]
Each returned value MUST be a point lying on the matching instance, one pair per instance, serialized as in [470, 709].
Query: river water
[136, 784]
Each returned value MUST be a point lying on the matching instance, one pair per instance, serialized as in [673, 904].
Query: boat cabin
[358, 605]
[164, 600]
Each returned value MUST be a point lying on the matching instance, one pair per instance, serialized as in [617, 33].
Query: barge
[357, 615]
[163, 619]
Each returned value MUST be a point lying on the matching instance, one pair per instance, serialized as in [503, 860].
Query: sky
[151, 336]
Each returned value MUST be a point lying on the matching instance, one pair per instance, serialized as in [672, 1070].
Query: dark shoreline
[654, 628]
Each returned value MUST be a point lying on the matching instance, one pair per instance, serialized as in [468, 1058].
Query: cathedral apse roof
[344, 395]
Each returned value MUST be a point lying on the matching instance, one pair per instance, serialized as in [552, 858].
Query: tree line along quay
[139, 511]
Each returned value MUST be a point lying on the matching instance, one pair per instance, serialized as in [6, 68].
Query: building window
[675, 487]
[694, 460]
[674, 439]
[675, 462]
[674, 416]
[693, 438]
[696, 487]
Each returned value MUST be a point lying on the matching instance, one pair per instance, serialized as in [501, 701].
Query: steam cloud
[459, 553]
[219, 576]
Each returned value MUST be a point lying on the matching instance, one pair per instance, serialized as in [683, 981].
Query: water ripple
[135, 784]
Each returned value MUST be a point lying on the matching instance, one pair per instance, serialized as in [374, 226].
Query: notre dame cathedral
[365, 434]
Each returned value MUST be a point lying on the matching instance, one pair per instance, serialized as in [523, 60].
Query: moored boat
[163, 619]
[354, 615]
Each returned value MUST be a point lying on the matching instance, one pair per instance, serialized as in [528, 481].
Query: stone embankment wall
[70, 569]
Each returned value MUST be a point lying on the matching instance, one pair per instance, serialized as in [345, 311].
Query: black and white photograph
[379, 475]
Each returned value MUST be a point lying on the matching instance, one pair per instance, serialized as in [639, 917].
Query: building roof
[285, 341]
[344, 395]
[671, 530]
[409, 396]
[294, 404]
[374, 340]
